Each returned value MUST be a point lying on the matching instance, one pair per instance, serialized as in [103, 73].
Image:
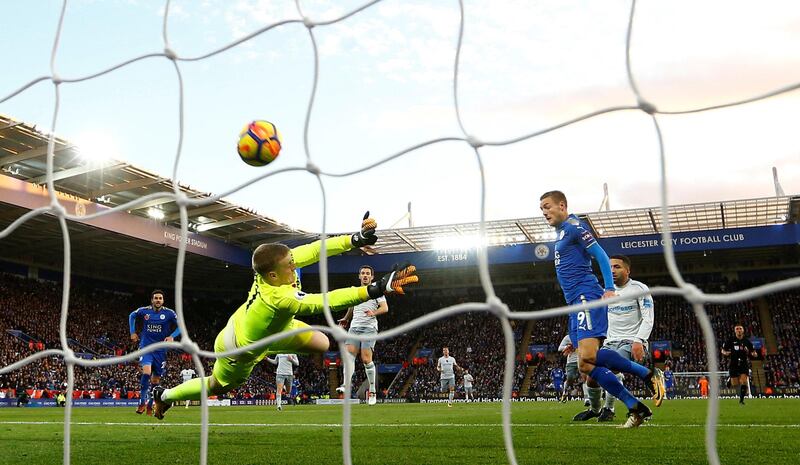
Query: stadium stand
[97, 327]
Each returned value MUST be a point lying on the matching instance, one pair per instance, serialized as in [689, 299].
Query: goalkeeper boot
[587, 414]
[606, 414]
[636, 416]
[655, 383]
[159, 406]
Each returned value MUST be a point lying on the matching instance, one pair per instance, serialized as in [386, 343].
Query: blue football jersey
[156, 325]
[557, 374]
[669, 378]
[573, 262]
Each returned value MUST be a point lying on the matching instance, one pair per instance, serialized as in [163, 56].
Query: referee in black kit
[739, 348]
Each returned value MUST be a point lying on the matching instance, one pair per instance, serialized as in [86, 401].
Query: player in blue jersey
[557, 375]
[669, 381]
[574, 249]
[159, 323]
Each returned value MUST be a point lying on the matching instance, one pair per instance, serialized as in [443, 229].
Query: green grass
[759, 433]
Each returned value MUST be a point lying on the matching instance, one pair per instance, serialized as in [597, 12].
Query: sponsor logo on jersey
[162, 316]
[300, 295]
[561, 235]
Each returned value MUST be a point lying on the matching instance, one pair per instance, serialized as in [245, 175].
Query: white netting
[492, 304]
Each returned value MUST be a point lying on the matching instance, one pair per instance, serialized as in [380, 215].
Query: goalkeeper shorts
[235, 370]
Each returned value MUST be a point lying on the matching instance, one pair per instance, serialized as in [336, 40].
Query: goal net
[472, 140]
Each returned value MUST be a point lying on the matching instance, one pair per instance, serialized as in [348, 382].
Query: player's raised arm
[309, 253]
[383, 307]
[646, 308]
[273, 361]
[132, 325]
[299, 303]
[345, 320]
[565, 347]
[600, 255]
[593, 248]
[177, 331]
[725, 349]
[293, 358]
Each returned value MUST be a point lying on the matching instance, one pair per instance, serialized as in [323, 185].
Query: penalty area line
[392, 425]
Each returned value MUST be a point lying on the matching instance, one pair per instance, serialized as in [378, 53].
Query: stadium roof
[640, 221]
[23, 153]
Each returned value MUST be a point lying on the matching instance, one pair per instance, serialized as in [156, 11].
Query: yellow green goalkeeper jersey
[271, 309]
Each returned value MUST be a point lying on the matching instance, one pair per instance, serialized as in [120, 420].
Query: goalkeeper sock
[450, 398]
[370, 369]
[145, 383]
[190, 390]
[614, 361]
[594, 398]
[606, 379]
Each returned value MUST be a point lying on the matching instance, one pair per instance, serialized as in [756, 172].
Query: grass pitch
[765, 431]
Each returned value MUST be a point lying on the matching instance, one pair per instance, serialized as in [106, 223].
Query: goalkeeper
[274, 299]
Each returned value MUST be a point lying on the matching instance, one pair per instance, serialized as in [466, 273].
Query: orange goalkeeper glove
[367, 235]
[392, 283]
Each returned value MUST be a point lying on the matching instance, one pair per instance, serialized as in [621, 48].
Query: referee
[739, 349]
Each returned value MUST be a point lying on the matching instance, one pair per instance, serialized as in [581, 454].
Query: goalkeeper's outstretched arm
[299, 303]
[308, 254]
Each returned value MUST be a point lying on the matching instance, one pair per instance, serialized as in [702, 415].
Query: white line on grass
[396, 425]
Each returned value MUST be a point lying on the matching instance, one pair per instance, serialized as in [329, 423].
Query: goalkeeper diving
[275, 298]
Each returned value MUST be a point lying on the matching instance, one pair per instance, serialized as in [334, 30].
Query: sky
[386, 84]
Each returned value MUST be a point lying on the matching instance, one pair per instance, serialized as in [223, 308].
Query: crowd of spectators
[476, 340]
[98, 327]
[783, 368]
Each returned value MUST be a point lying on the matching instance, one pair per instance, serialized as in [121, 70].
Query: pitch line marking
[395, 425]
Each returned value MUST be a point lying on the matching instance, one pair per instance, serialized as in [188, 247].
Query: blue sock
[608, 381]
[614, 361]
[145, 382]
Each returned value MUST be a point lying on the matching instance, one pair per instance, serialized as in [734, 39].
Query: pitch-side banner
[75, 403]
[734, 238]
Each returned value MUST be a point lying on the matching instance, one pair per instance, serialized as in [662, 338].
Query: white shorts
[361, 331]
[448, 383]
